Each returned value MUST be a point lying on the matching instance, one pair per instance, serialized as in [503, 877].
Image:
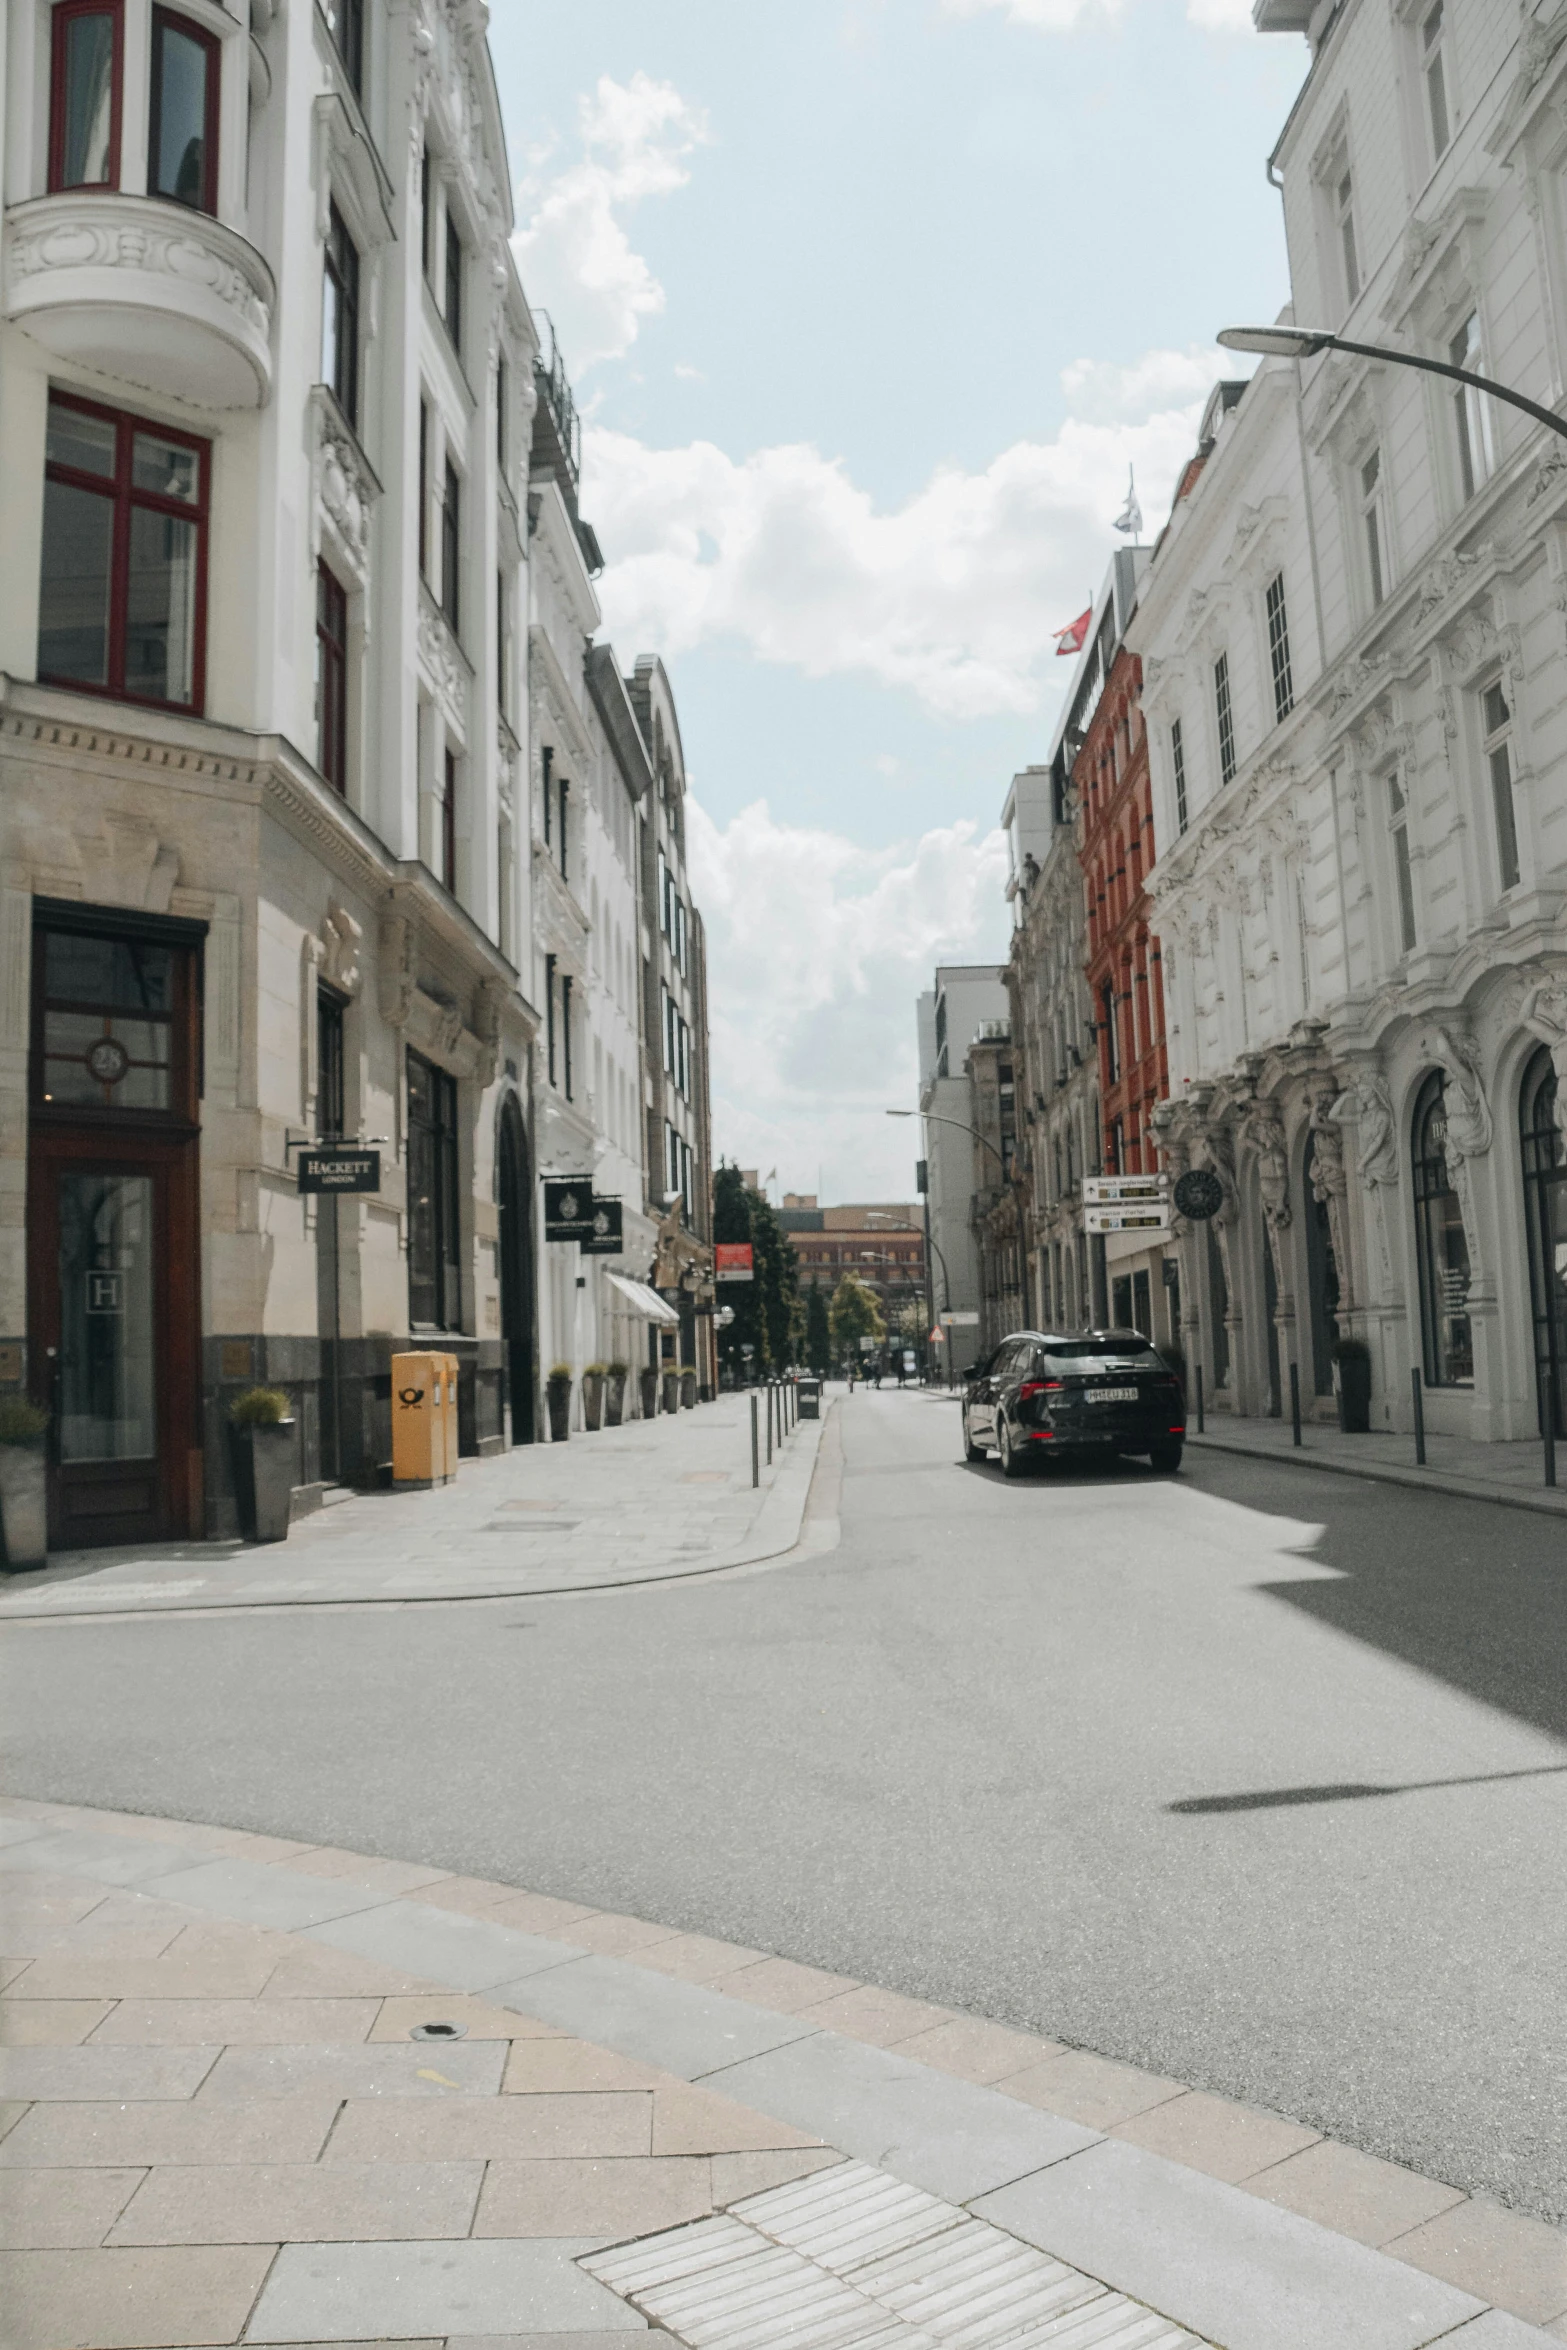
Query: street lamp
[1304, 342]
[931, 1119]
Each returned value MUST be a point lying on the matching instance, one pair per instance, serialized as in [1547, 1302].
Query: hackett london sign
[733, 1261]
[568, 1207]
[338, 1167]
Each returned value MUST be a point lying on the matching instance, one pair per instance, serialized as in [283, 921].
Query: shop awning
[643, 1301]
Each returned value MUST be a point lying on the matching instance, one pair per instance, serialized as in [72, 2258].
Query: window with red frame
[122, 607]
[182, 137]
[84, 96]
[331, 679]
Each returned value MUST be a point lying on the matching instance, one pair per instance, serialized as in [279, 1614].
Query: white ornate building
[272, 498]
[1354, 639]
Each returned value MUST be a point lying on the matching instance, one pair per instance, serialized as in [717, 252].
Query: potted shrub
[1352, 1385]
[24, 1517]
[593, 1379]
[669, 1379]
[261, 1427]
[614, 1395]
[648, 1382]
[688, 1386]
[557, 1390]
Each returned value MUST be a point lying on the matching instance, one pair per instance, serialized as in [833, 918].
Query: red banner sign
[734, 1261]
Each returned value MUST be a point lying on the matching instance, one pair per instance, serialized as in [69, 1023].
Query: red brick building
[1114, 798]
[1115, 809]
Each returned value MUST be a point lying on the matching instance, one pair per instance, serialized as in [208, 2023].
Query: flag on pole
[1072, 640]
[1130, 517]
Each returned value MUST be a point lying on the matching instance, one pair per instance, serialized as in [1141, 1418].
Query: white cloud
[818, 949]
[575, 256]
[1220, 16]
[953, 596]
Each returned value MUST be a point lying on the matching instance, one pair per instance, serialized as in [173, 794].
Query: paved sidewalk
[1510, 1473]
[221, 2129]
[656, 1498]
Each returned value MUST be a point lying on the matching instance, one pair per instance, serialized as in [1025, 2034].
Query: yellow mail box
[420, 1416]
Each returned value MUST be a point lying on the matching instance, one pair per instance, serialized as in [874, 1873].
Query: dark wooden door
[112, 1274]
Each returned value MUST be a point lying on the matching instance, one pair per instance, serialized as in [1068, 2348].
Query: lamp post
[934, 1118]
[1304, 342]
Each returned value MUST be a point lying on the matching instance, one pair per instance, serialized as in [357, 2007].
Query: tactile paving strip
[854, 2259]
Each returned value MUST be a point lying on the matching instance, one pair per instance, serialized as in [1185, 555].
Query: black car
[1045, 1393]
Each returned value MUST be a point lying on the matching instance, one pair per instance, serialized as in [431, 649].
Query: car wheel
[1013, 1462]
[1166, 1458]
[971, 1450]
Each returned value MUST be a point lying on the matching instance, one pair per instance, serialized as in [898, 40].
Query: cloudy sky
[869, 305]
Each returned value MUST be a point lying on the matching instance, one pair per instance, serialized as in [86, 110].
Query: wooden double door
[112, 1269]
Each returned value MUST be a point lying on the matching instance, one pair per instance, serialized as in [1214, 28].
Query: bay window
[182, 136]
[123, 588]
[84, 96]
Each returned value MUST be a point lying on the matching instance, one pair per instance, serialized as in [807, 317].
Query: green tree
[767, 1309]
[818, 1331]
[854, 1314]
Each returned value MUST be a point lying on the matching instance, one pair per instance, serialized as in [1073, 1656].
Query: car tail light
[1038, 1387]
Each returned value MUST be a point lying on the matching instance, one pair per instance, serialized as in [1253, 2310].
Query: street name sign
[339, 1167]
[1126, 1203]
[961, 1321]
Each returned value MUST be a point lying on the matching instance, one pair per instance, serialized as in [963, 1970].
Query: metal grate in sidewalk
[854, 2259]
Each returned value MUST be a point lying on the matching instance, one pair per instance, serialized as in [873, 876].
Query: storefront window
[1442, 1245]
[1545, 1204]
[434, 1215]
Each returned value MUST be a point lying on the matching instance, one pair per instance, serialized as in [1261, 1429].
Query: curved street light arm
[1462, 375]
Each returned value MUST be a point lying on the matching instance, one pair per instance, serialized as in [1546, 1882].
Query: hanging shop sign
[1198, 1194]
[604, 1239]
[339, 1167]
[568, 1207]
[734, 1260]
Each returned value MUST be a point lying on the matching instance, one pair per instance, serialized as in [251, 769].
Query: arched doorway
[514, 1200]
[1322, 1276]
[1545, 1211]
[1441, 1245]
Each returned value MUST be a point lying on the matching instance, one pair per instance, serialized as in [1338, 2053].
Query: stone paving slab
[1510, 1473]
[380, 2166]
[650, 1501]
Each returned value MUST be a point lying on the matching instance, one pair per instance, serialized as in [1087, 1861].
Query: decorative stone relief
[443, 666]
[100, 237]
[345, 488]
[124, 863]
[1469, 1126]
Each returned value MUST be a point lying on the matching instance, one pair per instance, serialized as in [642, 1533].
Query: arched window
[1545, 1212]
[1441, 1245]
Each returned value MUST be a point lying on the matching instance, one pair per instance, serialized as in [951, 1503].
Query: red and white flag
[1072, 640]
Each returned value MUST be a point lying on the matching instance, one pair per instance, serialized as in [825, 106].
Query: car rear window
[1065, 1350]
[1082, 1357]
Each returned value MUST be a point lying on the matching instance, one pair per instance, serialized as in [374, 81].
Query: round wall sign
[1198, 1194]
[108, 1060]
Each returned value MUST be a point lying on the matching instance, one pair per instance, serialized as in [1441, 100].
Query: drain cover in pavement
[854, 2259]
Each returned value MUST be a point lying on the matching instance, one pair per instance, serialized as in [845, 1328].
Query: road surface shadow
[1351, 1791]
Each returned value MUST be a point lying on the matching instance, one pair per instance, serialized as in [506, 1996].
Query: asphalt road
[1257, 1777]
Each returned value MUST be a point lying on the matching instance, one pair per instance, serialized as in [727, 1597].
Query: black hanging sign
[605, 1238]
[339, 1166]
[1198, 1194]
[568, 1207]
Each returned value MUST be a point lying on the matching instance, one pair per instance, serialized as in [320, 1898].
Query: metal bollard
[756, 1469]
[1550, 1425]
[769, 1423]
[1295, 1403]
[1199, 1400]
[1420, 1420]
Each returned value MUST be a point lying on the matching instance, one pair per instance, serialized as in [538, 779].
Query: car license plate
[1114, 1395]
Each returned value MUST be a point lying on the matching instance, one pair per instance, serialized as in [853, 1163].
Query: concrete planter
[264, 1479]
[688, 1390]
[614, 1399]
[648, 1381]
[670, 1381]
[558, 1396]
[593, 1399]
[24, 1515]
